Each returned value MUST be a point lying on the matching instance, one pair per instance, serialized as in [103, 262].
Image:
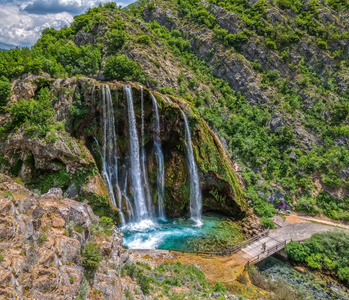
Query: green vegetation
[224, 235]
[326, 251]
[297, 131]
[280, 288]
[164, 281]
[267, 223]
[102, 207]
[5, 91]
[35, 115]
[91, 257]
[121, 67]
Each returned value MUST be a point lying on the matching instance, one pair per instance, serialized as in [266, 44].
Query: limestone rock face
[41, 259]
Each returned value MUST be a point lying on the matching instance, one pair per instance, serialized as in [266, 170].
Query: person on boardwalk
[264, 246]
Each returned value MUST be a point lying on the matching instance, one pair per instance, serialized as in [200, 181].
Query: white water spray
[195, 190]
[144, 159]
[138, 191]
[109, 150]
[160, 162]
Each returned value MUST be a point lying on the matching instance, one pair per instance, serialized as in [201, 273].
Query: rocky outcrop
[40, 254]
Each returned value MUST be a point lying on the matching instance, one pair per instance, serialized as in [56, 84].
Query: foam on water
[159, 234]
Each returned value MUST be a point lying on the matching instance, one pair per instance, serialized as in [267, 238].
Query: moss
[102, 206]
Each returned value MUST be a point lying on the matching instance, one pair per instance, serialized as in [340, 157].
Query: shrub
[42, 237]
[220, 288]
[270, 44]
[5, 91]
[296, 251]
[84, 290]
[267, 223]
[121, 67]
[144, 39]
[343, 274]
[91, 257]
[264, 209]
[117, 39]
[106, 222]
[322, 44]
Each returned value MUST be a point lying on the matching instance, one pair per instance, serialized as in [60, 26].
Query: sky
[21, 21]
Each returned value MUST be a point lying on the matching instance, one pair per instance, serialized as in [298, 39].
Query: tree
[5, 91]
[121, 67]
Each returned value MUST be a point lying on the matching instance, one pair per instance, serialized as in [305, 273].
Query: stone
[68, 249]
[71, 192]
[58, 222]
[293, 156]
[54, 193]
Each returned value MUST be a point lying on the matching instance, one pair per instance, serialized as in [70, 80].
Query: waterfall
[128, 202]
[109, 150]
[195, 191]
[168, 99]
[160, 162]
[138, 191]
[144, 158]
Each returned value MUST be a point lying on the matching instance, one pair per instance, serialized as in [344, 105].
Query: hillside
[270, 79]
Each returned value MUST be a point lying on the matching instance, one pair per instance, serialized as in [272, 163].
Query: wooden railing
[269, 252]
[245, 243]
[229, 251]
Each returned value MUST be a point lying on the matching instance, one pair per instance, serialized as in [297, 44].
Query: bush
[328, 250]
[270, 44]
[144, 39]
[264, 209]
[121, 67]
[267, 223]
[296, 251]
[220, 288]
[106, 222]
[91, 257]
[37, 114]
[5, 91]
[322, 44]
[343, 274]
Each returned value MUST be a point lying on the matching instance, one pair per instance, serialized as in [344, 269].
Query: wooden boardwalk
[251, 251]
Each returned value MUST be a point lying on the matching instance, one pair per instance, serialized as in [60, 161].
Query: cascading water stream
[195, 190]
[138, 191]
[144, 159]
[160, 162]
[109, 148]
[124, 191]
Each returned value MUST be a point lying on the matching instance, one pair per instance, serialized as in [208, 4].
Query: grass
[171, 281]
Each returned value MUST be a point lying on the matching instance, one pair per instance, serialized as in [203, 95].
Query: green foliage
[84, 290]
[144, 39]
[121, 67]
[106, 222]
[91, 257]
[37, 115]
[5, 91]
[220, 287]
[267, 223]
[264, 209]
[102, 207]
[296, 251]
[42, 238]
[329, 250]
[117, 39]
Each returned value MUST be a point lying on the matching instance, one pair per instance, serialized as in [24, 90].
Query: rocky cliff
[42, 246]
[73, 160]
